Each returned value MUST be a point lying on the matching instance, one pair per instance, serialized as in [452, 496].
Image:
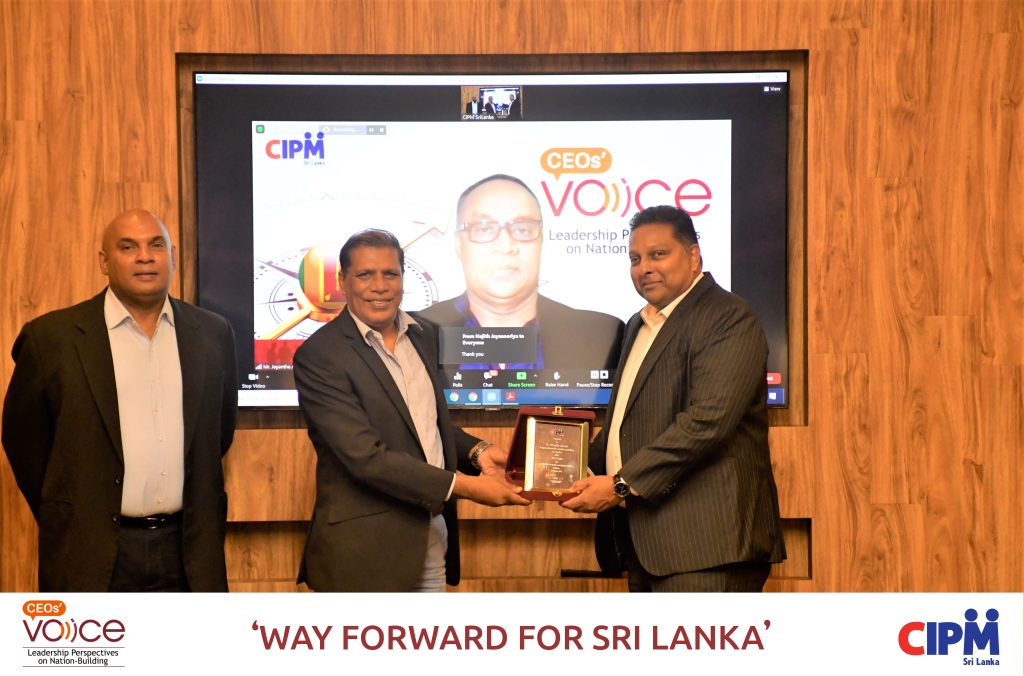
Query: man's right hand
[492, 462]
[487, 490]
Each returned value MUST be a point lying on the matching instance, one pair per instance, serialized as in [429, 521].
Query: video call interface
[289, 166]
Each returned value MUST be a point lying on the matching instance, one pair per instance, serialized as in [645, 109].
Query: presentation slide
[317, 182]
[289, 166]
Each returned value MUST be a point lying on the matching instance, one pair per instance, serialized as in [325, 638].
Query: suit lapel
[667, 332]
[192, 358]
[673, 326]
[93, 346]
[374, 363]
[428, 355]
[632, 329]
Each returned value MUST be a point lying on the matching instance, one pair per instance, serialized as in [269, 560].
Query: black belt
[151, 522]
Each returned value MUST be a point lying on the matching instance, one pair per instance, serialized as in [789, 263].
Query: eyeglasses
[483, 232]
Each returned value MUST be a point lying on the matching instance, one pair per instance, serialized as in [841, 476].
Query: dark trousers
[741, 576]
[150, 560]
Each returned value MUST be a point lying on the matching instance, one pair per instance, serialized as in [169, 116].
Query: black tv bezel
[793, 63]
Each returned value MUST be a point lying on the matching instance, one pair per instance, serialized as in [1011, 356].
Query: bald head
[138, 258]
[131, 219]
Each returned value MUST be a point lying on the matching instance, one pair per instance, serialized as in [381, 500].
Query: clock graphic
[298, 292]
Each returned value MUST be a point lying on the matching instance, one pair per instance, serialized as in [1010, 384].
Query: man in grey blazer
[389, 460]
[115, 421]
[684, 486]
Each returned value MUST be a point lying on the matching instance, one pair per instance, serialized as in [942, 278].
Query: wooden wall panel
[1001, 399]
[265, 553]
[273, 478]
[265, 556]
[907, 467]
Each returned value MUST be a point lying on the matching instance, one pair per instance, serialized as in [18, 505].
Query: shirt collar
[402, 321]
[115, 313]
[653, 316]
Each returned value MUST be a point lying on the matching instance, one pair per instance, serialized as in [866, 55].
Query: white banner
[589, 178]
[513, 633]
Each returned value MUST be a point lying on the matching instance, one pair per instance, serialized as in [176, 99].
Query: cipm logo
[290, 149]
[938, 638]
[45, 625]
[595, 196]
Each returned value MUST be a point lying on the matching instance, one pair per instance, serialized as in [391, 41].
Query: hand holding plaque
[549, 452]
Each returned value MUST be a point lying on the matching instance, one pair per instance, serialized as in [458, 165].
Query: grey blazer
[375, 491]
[694, 440]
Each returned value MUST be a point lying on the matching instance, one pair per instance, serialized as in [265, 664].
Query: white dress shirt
[149, 402]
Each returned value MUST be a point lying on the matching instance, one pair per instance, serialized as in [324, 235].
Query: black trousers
[150, 560]
[741, 576]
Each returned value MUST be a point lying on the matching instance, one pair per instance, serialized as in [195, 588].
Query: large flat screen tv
[288, 166]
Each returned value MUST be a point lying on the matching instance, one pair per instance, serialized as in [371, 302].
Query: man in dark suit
[684, 449]
[489, 106]
[388, 458]
[115, 421]
[515, 108]
[499, 239]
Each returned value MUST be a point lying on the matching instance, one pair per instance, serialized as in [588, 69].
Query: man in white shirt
[685, 490]
[115, 421]
[389, 460]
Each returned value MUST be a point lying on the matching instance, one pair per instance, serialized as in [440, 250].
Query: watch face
[621, 488]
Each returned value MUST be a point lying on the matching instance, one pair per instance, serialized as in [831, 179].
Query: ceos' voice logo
[45, 624]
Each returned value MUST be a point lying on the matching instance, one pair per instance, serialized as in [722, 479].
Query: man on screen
[684, 483]
[115, 421]
[389, 459]
[498, 241]
[515, 108]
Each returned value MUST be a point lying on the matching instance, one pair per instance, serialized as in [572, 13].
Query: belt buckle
[153, 522]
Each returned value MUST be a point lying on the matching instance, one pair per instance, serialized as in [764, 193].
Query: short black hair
[493, 177]
[682, 224]
[378, 239]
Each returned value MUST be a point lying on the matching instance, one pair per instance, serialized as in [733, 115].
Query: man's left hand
[596, 495]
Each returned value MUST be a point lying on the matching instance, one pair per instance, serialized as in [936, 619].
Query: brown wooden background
[907, 475]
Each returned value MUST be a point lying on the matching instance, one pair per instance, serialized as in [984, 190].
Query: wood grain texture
[265, 552]
[269, 475]
[265, 556]
[906, 457]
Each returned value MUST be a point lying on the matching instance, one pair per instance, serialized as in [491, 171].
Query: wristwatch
[476, 452]
[620, 486]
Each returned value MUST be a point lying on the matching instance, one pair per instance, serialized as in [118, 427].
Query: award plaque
[549, 451]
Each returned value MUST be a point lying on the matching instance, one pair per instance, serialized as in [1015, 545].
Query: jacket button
[117, 480]
[115, 518]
